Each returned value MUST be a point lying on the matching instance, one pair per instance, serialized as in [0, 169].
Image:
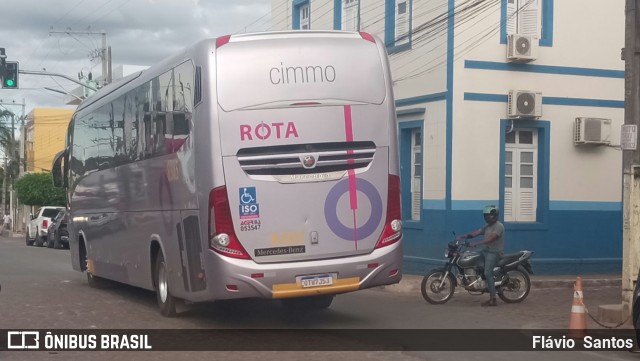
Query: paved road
[40, 290]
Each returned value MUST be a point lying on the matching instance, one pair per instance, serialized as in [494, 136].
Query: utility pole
[109, 76]
[16, 162]
[105, 65]
[631, 156]
[104, 57]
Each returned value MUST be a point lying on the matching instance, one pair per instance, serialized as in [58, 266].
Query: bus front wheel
[166, 301]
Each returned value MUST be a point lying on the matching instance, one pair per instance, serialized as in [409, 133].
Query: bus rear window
[255, 74]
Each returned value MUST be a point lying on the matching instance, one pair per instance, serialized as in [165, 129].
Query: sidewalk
[610, 313]
[411, 283]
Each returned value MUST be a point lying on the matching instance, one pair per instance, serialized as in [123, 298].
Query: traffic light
[10, 75]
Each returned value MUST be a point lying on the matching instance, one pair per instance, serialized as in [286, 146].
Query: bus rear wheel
[166, 301]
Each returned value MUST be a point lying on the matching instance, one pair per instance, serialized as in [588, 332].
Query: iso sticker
[249, 207]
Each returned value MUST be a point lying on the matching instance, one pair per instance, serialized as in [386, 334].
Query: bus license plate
[316, 281]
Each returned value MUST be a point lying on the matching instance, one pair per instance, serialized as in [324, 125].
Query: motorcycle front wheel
[436, 289]
[515, 286]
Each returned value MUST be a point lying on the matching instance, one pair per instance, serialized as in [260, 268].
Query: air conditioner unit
[592, 131]
[520, 48]
[524, 104]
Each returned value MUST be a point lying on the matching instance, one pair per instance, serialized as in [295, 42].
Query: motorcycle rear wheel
[515, 287]
[436, 289]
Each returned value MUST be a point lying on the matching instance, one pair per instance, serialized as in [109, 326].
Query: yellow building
[46, 130]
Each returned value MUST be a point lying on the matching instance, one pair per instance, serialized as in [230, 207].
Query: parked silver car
[40, 221]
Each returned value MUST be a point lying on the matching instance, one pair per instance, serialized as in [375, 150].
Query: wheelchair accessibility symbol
[352, 232]
[248, 195]
[249, 207]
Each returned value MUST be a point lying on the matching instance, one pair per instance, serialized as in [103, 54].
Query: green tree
[10, 147]
[5, 129]
[37, 189]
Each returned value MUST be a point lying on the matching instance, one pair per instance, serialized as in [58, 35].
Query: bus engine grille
[295, 159]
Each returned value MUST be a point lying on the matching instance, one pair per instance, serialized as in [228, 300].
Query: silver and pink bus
[256, 165]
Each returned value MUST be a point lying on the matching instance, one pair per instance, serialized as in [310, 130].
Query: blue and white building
[517, 103]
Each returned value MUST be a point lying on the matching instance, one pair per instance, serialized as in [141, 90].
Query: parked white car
[40, 221]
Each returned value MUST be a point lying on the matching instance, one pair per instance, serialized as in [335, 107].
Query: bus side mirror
[58, 171]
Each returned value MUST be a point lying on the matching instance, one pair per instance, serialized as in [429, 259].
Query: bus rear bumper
[246, 279]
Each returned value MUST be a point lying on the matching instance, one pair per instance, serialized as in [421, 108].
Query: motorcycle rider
[493, 232]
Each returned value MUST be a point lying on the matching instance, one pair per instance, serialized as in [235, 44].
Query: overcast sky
[140, 32]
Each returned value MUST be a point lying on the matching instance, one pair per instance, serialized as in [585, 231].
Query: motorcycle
[466, 268]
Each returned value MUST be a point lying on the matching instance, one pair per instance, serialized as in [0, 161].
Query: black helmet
[491, 210]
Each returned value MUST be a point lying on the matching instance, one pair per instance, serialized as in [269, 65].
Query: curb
[568, 283]
[412, 283]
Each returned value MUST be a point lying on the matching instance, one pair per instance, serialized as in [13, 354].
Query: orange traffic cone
[578, 320]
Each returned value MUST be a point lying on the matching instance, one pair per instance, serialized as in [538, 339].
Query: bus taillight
[393, 225]
[222, 40]
[222, 236]
[367, 36]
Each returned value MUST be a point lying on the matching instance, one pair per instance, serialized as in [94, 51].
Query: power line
[270, 12]
[437, 35]
[112, 10]
[92, 12]
[48, 37]
[491, 31]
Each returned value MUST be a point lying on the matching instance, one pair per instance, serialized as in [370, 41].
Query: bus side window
[118, 132]
[180, 125]
[146, 119]
[139, 121]
[99, 151]
[78, 141]
[183, 95]
[162, 106]
[130, 127]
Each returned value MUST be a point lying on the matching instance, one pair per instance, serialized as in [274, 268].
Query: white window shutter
[527, 192]
[528, 18]
[508, 206]
[520, 200]
[402, 22]
[350, 15]
[305, 12]
[416, 174]
[527, 206]
[508, 175]
[512, 20]
[416, 200]
[348, 20]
